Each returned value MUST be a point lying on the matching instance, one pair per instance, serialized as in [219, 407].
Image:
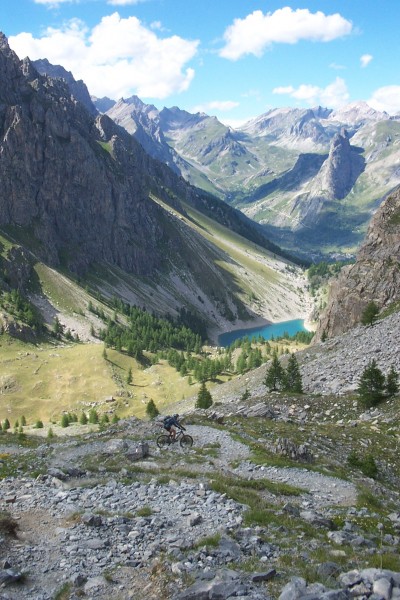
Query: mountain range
[80, 194]
[106, 196]
[312, 177]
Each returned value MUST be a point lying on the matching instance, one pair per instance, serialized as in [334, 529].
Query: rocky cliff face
[375, 276]
[76, 189]
[78, 88]
[78, 183]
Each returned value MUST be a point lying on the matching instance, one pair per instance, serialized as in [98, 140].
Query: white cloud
[55, 3]
[365, 59]
[386, 99]
[215, 105]
[337, 67]
[254, 33]
[333, 95]
[123, 2]
[288, 89]
[117, 58]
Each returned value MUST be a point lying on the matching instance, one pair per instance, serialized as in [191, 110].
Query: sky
[235, 59]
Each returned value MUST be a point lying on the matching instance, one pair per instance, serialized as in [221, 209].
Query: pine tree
[23, 421]
[204, 398]
[274, 378]
[83, 419]
[64, 420]
[104, 419]
[129, 377]
[370, 313]
[151, 409]
[392, 382]
[93, 416]
[371, 385]
[292, 380]
[6, 424]
[57, 327]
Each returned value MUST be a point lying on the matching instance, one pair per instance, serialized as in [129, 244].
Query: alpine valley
[312, 177]
[130, 237]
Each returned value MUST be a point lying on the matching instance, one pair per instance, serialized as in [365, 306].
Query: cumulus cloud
[386, 99]
[117, 58]
[254, 33]
[365, 59]
[215, 105]
[333, 95]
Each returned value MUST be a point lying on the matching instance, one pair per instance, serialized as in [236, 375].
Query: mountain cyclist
[170, 423]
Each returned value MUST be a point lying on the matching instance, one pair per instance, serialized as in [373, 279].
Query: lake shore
[257, 323]
[215, 332]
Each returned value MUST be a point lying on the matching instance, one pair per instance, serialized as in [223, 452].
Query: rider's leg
[172, 432]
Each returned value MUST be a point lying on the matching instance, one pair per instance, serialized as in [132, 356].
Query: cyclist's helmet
[176, 416]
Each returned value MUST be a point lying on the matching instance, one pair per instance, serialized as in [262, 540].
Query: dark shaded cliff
[82, 185]
[375, 276]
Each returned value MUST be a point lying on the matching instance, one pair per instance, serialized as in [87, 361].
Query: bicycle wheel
[163, 440]
[186, 441]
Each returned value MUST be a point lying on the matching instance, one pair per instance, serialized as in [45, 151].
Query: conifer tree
[93, 416]
[83, 419]
[392, 382]
[370, 313]
[274, 378]
[292, 379]
[129, 377]
[104, 419]
[64, 420]
[151, 409]
[204, 398]
[6, 424]
[371, 385]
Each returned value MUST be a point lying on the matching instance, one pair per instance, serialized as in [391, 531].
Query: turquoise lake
[267, 331]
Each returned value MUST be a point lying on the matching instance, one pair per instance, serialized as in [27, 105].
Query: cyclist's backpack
[168, 421]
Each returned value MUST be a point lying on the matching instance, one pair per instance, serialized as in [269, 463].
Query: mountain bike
[185, 440]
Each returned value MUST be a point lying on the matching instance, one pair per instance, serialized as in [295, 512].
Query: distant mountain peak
[357, 112]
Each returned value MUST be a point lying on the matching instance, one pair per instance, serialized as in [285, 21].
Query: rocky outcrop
[342, 168]
[78, 88]
[375, 276]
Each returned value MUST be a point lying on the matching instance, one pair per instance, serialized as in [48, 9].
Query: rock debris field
[151, 532]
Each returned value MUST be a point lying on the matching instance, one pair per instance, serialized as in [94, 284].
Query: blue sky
[235, 59]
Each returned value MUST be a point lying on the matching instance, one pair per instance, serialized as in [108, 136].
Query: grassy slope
[41, 381]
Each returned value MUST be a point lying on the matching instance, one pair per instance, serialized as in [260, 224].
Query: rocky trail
[110, 515]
